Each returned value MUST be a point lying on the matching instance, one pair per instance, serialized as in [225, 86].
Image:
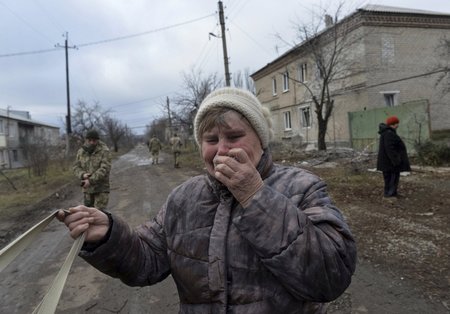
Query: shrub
[431, 154]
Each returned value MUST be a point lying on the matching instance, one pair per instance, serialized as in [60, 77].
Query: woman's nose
[223, 147]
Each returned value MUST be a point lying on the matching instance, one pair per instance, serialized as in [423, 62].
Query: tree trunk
[321, 145]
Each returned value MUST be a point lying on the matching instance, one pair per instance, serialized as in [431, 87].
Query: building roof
[24, 117]
[390, 9]
[370, 8]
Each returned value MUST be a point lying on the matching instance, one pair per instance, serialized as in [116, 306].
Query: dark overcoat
[392, 154]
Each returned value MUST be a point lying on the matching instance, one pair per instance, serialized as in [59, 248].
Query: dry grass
[19, 187]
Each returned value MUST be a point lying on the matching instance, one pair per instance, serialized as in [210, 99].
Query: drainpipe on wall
[7, 137]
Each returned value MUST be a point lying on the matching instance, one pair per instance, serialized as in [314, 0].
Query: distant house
[16, 130]
[398, 63]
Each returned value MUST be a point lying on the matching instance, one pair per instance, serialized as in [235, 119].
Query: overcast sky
[132, 53]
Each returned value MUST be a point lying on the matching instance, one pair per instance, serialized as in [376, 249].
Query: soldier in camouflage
[92, 167]
[175, 142]
[154, 146]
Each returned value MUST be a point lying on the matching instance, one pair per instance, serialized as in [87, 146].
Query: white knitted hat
[241, 101]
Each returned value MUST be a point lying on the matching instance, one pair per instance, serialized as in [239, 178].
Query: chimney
[328, 20]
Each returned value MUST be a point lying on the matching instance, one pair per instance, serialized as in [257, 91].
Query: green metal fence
[414, 125]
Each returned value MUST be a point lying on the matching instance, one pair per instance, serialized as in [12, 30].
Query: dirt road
[138, 190]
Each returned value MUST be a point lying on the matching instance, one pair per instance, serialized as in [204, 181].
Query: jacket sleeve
[301, 238]
[77, 170]
[137, 257]
[102, 172]
[391, 148]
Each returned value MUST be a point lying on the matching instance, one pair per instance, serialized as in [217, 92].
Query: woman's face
[237, 134]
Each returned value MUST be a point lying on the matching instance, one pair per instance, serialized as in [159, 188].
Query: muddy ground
[407, 239]
[403, 245]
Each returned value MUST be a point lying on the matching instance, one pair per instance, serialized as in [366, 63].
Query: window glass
[274, 86]
[389, 100]
[286, 81]
[287, 120]
[15, 155]
[302, 72]
[306, 116]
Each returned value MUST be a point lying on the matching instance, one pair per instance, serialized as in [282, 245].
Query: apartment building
[394, 57]
[16, 130]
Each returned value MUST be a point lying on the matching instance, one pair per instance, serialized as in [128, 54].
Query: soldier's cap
[92, 135]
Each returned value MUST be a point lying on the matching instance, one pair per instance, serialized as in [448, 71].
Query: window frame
[319, 73]
[15, 153]
[2, 158]
[303, 117]
[302, 72]
[285, 81]
[287, 120]
[274, 86]
[390, 98]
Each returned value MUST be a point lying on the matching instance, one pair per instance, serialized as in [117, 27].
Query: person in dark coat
[392, 156]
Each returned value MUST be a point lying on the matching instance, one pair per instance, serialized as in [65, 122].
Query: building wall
[413, 128]
[411, 52]
[13, 132]
[383, 55]
[348, 97]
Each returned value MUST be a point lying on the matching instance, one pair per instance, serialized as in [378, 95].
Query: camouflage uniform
[154, 146]
[98, 164]
[175, 141]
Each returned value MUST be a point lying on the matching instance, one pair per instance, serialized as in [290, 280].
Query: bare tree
[87, 116]
[243, 79]
[329, 51]
[158, 128]
[114, 131]
[196, 87]
[37, 153]
[444, 64]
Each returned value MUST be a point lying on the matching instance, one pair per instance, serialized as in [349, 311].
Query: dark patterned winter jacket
[289, 251]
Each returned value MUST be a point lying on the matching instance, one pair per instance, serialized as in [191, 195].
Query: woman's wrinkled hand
[238, 174]
[93, 222]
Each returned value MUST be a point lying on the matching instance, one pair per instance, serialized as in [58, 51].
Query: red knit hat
[392, 120]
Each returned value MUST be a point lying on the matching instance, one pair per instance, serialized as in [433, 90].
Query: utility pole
[169, 115]
[68, 119]
[224, 44]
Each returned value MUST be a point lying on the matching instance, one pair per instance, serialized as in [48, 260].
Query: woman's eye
[235, 137]
[211, 140]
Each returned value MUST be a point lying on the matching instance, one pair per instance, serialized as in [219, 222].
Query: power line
[145, 33]
[111, 39]
[252, 39]
[15, 54]
[24, 21]
[144, 99]
[49, 16]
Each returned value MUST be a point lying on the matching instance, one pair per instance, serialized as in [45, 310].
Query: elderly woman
[248, 236]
